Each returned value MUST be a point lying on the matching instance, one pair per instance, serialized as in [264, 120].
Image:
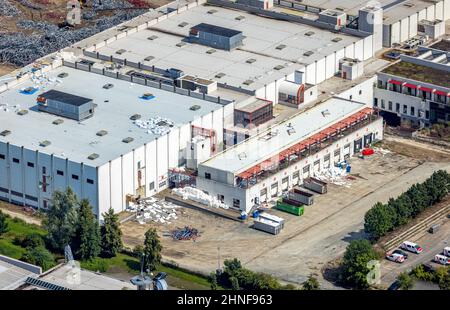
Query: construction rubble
[155, 125]
[334, 175]
[186, 233]
[7, 9]
[152, 210]
[199, 196]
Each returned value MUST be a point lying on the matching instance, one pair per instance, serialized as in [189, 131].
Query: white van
[447, 251]
[411, 247]
[441, 259]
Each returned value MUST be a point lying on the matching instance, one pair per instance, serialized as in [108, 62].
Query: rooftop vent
[337, 39]
[183, 24]
[247, 82]
[181, 44]
[280, 47]
[309, 33]
[148, 58]
[250, 61]
[127, 140]
[279, 67]
[153, 37]
[240, 17]
[58, 121]
[212, 11]
[22, 112]
[220, 75]
[121, 51]
[93, 156]
[135, 117]
[211, 51]
[308, 53]
[195, 107]
[44, 143]
[122, 28]
[4, 133]
[102, 133]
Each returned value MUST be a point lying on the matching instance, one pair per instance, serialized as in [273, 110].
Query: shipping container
[266, 225]
[315, 185]
[301, 196]
[290, 206]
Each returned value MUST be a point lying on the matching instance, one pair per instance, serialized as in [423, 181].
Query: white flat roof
[262, 37]
[394, 10]
[256, 149]
[77, 140]
[12, 276]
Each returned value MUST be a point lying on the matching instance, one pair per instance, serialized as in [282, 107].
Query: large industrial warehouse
[182, 87]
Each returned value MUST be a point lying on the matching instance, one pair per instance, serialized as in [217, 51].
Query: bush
[406, 282]
[3, 224]
[311, 284]
[39, 256]
[34, 240]
[96, 264]
[420, 273]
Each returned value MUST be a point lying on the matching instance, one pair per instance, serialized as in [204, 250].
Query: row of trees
[72, 222]
[383, 218]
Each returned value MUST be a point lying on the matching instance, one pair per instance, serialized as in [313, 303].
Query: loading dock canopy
[308, 142]
[395, 82]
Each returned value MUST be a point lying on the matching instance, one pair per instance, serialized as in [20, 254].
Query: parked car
[394, 257]
[447, 251]
[442, 259]
[411, 247]
[398, 251]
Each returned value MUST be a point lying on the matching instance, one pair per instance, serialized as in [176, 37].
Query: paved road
[432, 245]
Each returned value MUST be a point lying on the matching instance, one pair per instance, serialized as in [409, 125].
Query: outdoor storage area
[307, 242]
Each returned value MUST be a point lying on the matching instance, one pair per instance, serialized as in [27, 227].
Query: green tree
[264, 281]
[311, 284]
[152, 250]
[3, 223]
[355, 263]
[61, 219]
[379, 220]
[406, 282]
[442, 278]
[111, 234]
[234, 284]
[86, 243]
[403, 209]
[39, 256]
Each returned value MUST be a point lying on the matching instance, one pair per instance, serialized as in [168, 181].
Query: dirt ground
[308, 242]
[415, 149]
[20, 212]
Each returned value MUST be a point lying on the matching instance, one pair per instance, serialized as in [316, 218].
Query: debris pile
[335, 175]
[199, 196]
[186, 233]
[152, 210]
[381, 151]
[155, 125]
[7, 9]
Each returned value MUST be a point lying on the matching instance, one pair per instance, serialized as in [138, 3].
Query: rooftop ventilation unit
[65, 104]
[93, 156]
[337, 39]
[149, 58]
[247, 82]
[44, 143]
[279, 67]
[102, 133]
[135, 117]
[250, 61]
[219, 75]
[280, 47]
[153, 37]
[183, 24]
[240, 17]
[309, 33]
[216, 37]
[181, 44]
[211, 51]
[5, 133]
[58, 121]
[212, 11]
[121, 51]
[22, 112]
[308, 53]
[127, 140]
[195, 107]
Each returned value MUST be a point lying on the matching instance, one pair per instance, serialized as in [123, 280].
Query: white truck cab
[442, 259]
[447, 251]
[411, 247]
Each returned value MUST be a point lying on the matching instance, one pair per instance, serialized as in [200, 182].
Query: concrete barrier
[32, 268]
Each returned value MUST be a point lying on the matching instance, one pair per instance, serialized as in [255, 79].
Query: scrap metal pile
[186, 233]
[151, 210]
[20, 49]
